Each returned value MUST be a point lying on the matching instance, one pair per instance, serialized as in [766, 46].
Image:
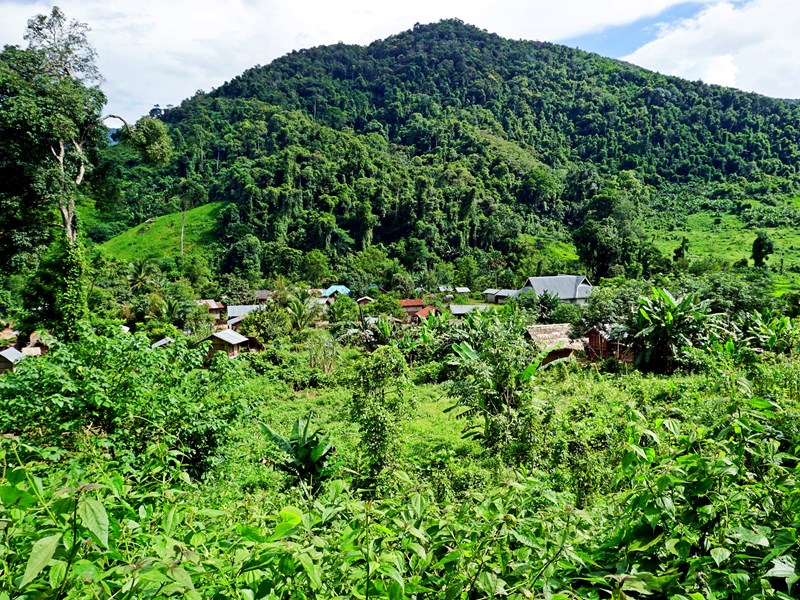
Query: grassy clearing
[161, 237]
[730, 240]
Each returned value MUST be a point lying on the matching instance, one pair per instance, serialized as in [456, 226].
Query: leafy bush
[118, 394]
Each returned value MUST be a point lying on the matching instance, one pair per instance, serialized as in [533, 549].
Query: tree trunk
[183, 226]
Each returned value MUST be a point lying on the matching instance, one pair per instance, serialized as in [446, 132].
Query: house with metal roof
[336, 289]
[462, 290]
[9, 358]
[501, 296]
[571, 289]
[227, 341]
[459, 310]
[240, 310]
[488, 295]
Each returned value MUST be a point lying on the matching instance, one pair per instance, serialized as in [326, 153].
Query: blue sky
[621, 40]
[162, 51]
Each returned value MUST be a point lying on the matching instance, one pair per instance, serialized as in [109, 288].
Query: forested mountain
[445, 141]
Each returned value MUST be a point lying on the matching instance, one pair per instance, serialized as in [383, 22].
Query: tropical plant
[665, 325]
[307, 453]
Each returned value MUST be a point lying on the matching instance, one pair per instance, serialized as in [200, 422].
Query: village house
[462, 290]
[608, 342]
[412, 306]
[264, 296]
[364, 300]
[571, 289]
[489, 295]
[502, 296]
[555, 340]
[459, 310]
[227, 341]
[214, 307]
[9, 358]
[423, 314]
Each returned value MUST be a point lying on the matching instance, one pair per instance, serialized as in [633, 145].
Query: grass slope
[731, 240]
[161, 237]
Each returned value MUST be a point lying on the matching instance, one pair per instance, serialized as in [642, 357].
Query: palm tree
[302, 314]
[140, 275]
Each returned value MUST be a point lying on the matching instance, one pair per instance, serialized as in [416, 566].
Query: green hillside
[446, 143]
[160, 237]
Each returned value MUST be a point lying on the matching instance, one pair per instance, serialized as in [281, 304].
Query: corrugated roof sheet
[409, 302]
[462, 309]
[463, 290]
[229, 336]
[566, 287]
[12, 354]
[336, 289]
[240, 310]
[211, 304]
[162, 342]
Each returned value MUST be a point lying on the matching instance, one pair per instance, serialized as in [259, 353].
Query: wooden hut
[608, 343]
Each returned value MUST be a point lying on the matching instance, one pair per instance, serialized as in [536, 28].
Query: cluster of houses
[572, 289]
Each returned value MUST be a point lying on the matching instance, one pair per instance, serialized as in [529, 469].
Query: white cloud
[750, 45]
[162, 51]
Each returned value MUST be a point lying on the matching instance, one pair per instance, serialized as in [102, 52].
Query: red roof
[409, 303]
[211, 304]
[426, 311]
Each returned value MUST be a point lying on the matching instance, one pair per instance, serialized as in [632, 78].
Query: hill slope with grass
[160, 237]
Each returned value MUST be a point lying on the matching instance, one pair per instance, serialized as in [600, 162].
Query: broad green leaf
[57, 572]
[41, 553]
[312, 570]
[13, 497]
[94, 517]
[720, 555]
[783, 566]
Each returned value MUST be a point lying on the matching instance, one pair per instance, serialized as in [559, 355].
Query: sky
[158, 52]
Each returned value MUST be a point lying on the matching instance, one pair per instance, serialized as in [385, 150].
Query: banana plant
[306, 452]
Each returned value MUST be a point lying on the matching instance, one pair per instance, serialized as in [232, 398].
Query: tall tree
[50, 115]
[51, 127]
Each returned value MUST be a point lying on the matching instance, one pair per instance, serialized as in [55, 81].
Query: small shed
[463, 290]
[214, 307]
[364, 300]
[489, 295]
[227, 341]
[443, 289]
[502, 296]
[459, 310]
[9, 358]
[240, 310]
[264, 296]
[555, 340]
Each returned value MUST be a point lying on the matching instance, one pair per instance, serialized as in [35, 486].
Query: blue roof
[336, 289]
